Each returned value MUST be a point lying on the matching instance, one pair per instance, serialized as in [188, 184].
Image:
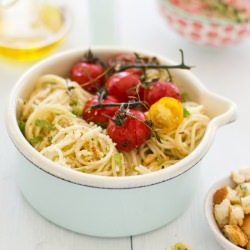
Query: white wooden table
[225, 71]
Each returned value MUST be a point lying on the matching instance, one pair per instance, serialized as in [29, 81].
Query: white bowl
[110, 206]
[207, 31]
[208, 208]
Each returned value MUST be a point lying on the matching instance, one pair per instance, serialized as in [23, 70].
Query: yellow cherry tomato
[166, 114]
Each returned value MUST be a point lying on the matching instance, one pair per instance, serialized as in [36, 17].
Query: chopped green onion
[75, 111]
[22, 125]
[73, 102]
[81, 169]
[186, 113]
[159, 160]
[45, 124]
[35, 140]
[184, 96]
[118, 159]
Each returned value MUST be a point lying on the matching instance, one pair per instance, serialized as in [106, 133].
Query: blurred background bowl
[212, 32]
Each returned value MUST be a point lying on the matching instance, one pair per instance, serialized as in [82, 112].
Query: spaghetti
[54, 127]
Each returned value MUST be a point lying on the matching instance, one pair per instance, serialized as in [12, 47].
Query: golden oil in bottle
[30, 29]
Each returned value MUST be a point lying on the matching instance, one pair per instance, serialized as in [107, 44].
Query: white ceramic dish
[110, 206]
[208, 208]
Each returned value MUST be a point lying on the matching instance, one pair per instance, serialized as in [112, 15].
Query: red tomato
[122, 85]
[160, 89]
[136, 71]
[123, 59]
[89, 75]
[97, 115]
[133, 133]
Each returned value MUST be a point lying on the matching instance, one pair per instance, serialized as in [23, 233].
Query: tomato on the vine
[158, 89]
[132, 131]
[124, 59]
[121, 58]
[166, 114]
[89, 75]
[99, 115]
[123, 85]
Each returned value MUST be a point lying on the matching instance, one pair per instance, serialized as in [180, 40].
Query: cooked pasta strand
[55, 128]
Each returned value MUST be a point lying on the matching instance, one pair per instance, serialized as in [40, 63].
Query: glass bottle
[29, 29]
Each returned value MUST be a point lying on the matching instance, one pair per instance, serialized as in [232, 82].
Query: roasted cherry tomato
[158, 89]
[131, 133]
[123, 59]
[89, 75]
[98, 115]
[166, 114]
[123, 85]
